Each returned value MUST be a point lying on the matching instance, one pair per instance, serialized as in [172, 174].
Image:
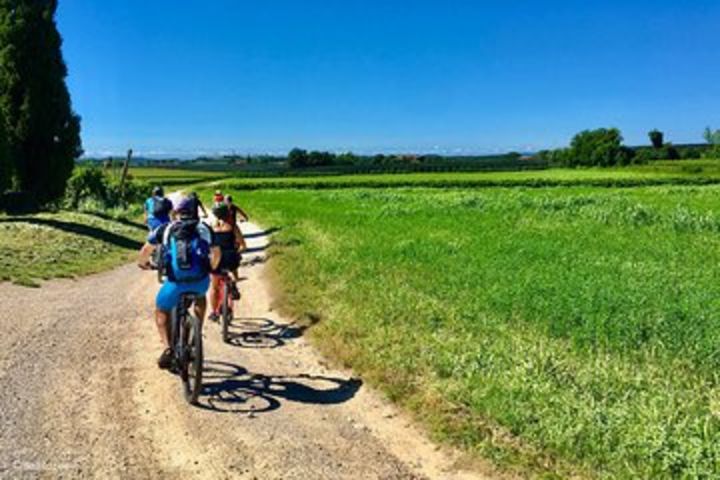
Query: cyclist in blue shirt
[189, 255]
[157, 209]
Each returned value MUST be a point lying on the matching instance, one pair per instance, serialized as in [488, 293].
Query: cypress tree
[43, 132]
[5, 170]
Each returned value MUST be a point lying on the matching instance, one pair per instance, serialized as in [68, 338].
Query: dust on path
[82, 396]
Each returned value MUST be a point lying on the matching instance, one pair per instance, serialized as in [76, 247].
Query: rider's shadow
[260, 333]
[231, 388]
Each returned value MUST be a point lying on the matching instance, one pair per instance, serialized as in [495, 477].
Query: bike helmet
[228, 199]
[184, 207]
[158, 191]
[221, 211]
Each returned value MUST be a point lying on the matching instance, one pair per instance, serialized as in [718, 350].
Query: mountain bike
[227, 302]
[157, 263]
[187, 347]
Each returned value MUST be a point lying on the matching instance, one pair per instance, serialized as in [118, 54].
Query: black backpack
[161, 207]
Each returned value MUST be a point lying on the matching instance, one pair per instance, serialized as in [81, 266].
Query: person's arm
[153, 239]
[202, 207]
[242, 213]
[208, 236]
[145, 213]
[239, 239]
[144, 256]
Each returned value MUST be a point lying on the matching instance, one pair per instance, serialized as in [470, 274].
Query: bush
[86, 183]
[689, 153]
[645, 155]
[601, 147]
[92, 185]
[668, 152]
[712, 152]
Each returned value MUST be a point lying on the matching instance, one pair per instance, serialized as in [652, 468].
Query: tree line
[300, 158]
[603, 147]
[39, 131]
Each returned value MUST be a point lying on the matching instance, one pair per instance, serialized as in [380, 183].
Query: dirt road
[81, 395]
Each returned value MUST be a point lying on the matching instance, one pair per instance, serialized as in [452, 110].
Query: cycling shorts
[170, 293]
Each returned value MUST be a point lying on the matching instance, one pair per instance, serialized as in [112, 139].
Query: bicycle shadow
[229, 388]
[261, 333]
[263, 233]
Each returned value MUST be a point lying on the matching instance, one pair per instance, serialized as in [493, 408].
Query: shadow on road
[79, 229]
[263, 233]
[263, 333]
[259, 249]
[231, 388]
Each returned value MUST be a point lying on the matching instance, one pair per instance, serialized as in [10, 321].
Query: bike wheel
[192, 362]
[226, 312]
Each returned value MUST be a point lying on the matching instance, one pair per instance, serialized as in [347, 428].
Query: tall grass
[689, 172]
[562, 331]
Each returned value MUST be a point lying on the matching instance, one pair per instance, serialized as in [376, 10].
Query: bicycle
[157, 263]
[187, 347]
[227, 301]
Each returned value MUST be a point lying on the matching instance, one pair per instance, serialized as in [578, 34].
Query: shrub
[689, 153]
[645, 155]
[668, 152]
[85, 183]
[601, 147]
[95, 186]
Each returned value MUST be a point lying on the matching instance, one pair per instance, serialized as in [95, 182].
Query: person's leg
[215, 293]
[201, 289]
[162, 320]
[166, 300]
[200, 308]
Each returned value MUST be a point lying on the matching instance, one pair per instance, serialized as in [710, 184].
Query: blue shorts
[154, 223]
[169, 294]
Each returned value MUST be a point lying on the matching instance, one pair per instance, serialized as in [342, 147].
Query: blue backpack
[187, 255]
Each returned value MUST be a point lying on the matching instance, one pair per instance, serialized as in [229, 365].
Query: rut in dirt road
[83, 396]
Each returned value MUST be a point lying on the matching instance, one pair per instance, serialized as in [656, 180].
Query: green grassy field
[173, 176]
[555, 330]
[691, 172]
[65, 244]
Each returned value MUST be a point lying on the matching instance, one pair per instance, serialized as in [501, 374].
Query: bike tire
[191, 371]
[226, 312]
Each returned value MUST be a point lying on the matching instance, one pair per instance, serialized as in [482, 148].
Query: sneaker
[214, 317]
[234, 292]
[165, 360]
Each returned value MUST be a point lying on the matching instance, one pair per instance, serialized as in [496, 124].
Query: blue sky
[191, 76]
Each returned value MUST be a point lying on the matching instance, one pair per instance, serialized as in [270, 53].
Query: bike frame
[225, 302]
[182, 323]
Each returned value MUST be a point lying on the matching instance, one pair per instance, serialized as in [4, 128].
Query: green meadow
[42, 246]
[688, 172]
[564, 331]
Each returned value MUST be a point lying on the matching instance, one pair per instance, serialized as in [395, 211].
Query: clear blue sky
[481, 76]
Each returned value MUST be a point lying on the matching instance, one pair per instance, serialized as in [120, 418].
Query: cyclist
[198, 205]
[235, 210]
[189, 254]
[157, 209]
[228, 237]
[218, 197]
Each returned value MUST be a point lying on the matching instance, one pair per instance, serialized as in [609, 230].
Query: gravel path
[82, 396]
